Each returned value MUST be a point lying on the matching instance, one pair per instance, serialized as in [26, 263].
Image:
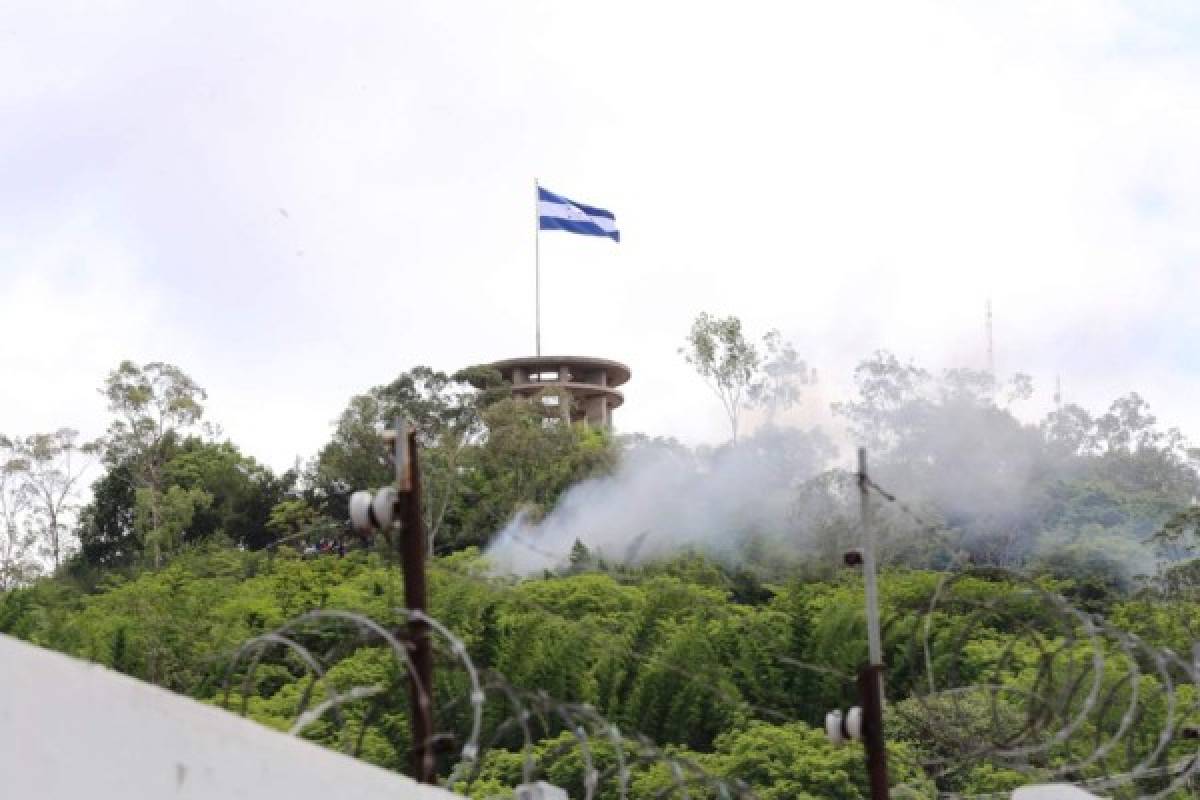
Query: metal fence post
[412, 562]
[870, 692]
[870, 679]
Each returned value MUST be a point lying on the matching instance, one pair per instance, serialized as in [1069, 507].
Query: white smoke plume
[662, 498]
[965, 478]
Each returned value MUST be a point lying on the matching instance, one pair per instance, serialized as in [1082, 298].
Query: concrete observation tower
[579, 388]
[589, 383]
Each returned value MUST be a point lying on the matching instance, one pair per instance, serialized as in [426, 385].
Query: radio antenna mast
[991, 353]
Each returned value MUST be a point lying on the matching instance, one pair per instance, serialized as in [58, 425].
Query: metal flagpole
[537, 269]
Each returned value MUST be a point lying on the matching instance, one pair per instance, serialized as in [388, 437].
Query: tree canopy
[727, 652]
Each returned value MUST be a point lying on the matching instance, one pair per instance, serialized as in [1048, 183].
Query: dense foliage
[727, 651]
[665, 649]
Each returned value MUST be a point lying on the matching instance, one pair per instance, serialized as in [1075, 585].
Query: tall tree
[207, 488]
[163, 519]
[153, 406]
[783, 372]
[1069, 431]
[446, 412]
[527, 458]
[17, 538]
[891, 400]
[739, 373]
[1129, 425]
[55, 464]
[718, 350]
[242, 492]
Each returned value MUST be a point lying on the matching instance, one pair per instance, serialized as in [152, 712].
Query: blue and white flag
[557, 213]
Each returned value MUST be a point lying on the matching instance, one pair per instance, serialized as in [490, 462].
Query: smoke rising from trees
[663, 497]
[1073, 493]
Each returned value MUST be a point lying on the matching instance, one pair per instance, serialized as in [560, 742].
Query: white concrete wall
[77, 731]
[1052, 791]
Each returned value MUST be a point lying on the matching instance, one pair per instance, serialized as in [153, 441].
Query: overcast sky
[296, 201]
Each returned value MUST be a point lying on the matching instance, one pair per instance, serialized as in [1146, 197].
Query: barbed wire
[1056, 694]
[647, 658]
[638, 655]
[1056, 700]
[318, 640]
[1047, 727]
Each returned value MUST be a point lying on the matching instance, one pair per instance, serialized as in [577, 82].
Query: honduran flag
[557, 213]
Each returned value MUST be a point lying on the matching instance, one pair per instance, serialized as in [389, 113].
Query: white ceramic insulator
[833, 727]
[384, 506]
[360, 511]
[854, 724]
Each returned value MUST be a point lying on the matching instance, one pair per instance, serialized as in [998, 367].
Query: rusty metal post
[870, 679]
[870, 693]
[412, 562]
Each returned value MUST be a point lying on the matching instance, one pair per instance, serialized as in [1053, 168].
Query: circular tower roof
[616, 372]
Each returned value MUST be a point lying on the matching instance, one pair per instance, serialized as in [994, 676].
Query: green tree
[718, 350]
[782, 373]
[784, 762]
[446, 412]
[107, 537]
[54, 465]
[243, 491]
[484, 455]
[1128, 425]
[1069, 431]
[164, 487]
[17, 538]
[294, 519]
[58, 462]
[163, 519]
[684, 695]
[152, 406]
[580, 557]
[526, 459]
[891, 396]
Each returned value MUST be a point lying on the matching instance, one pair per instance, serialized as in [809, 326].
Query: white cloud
[859, 175]
[69, 310]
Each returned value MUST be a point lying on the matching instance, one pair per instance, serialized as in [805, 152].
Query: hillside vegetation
[682, 651]
[724, 643]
